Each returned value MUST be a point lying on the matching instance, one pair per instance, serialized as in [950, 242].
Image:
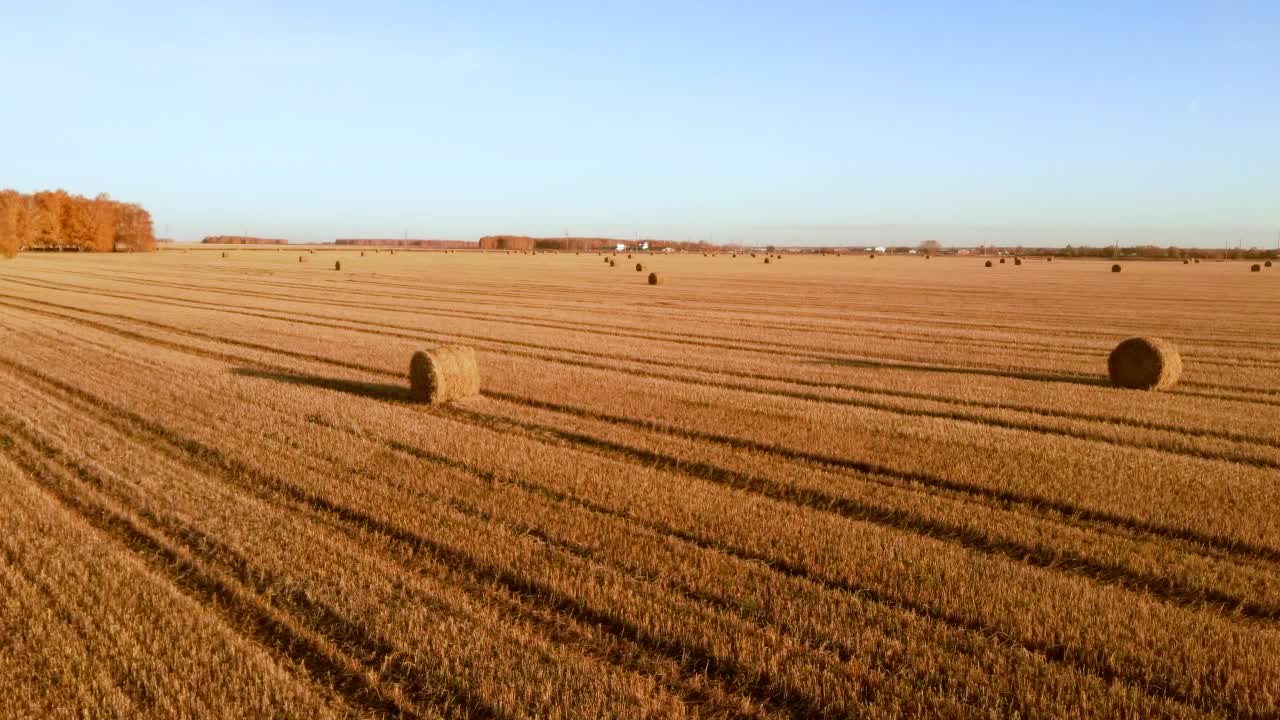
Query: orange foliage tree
[56, 219]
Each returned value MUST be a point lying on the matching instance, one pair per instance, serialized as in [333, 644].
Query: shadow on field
[375, 390]
[989, 372]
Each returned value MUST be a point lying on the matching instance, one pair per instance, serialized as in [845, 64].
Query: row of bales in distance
[58, 220]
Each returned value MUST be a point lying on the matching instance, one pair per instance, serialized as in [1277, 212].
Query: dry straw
[444, 374]
[1145, 363]
[654, 279]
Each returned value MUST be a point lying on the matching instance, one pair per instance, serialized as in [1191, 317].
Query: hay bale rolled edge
[444, 374]
[1144, 363]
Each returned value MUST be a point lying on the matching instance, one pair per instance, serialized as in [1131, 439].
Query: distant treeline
[524, 242]
[1135, 251]
[437, 244]
[242, 240]
[55, 219]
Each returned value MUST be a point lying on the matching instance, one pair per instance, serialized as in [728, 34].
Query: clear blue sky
[794, 122]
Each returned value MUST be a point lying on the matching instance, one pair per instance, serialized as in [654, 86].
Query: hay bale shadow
[374, 390]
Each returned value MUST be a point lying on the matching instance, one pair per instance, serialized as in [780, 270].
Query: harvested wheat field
[822, 488]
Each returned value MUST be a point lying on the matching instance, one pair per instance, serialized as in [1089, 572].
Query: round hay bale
[1115, 268]
[1197, 261]
[1267, 264]
[766, 261]
[1186, 262]
[1017, 261]
[988, 263]
[224, 254]
[607, 260]
[654, 279]
[1050, 258]
[872, 256]
[1145, 363]
[753, 254]
[337, 264]
[612, 263]
[443, 374]
[1255, 268]
[1001, 261]
[302, 258]
[639, 267]
[926, 257]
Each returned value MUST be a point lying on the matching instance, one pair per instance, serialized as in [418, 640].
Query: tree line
[56, 219]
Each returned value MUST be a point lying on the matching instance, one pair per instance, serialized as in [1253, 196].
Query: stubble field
[822, 487]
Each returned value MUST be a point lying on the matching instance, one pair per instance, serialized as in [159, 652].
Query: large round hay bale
[1049, 259]
[1145, 363]
[337, 264]
[1017, 261]
[1255, 268]
[654, 279]
[872, 256]
[988, 263]
[612, 263]
[443, 374]
[1267, 263]
[1197, 261]
[639, 267]
[1001, 261]
[1115, 268]
[1186, 262]
[766, 261]
[606, 259]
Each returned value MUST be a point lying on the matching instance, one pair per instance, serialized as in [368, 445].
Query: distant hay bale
[766, 261]
[361, 253]
[612, 263]
[1255, 268]
[1196, 261]
[654, 279]
[1001, 261]
[753, 254]
[224, 254]
[872, 256]
[302, 258]
[1049, 259]
[1115, 268]
[607, 260]
[443, 374]
[1017, 261]
[639, 267]
[337, 264]
[1186, 262]
[926, 257]
[1144, 363]
[1267, 264]
[988, 263]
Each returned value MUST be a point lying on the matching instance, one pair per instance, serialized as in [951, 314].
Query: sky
[1032, 123]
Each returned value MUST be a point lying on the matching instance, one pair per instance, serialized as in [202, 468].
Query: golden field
[822, 487]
